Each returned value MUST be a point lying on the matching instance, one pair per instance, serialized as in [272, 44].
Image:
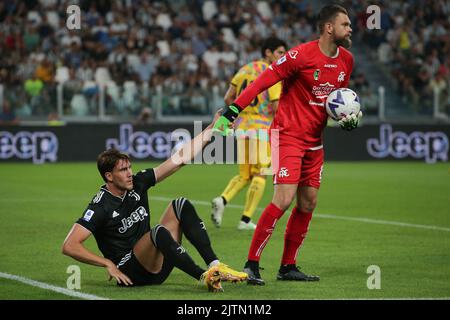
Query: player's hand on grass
[224, 124]
[115, 273]
[350, 122]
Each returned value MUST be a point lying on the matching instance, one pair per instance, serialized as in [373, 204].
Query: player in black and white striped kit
[119, 218]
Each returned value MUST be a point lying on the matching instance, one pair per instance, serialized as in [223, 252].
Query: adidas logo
[115, 214]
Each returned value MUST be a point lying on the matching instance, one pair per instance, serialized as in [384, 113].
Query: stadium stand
[176, 57]
[410, 53]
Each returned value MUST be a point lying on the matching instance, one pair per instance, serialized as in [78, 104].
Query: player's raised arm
[278, 71]
[267, 79]
[186, 153]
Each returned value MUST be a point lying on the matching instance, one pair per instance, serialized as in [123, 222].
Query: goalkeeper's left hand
[350, 122]
[224, 123]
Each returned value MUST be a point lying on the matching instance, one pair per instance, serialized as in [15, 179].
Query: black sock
[245, 219]
[194, 228]
[174, 252]
[286, 268]
[224, 201]
[254, 265]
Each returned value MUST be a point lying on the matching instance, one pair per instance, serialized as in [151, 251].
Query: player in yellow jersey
[257, 116]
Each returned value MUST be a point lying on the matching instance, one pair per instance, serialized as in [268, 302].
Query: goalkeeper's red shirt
[308, 77]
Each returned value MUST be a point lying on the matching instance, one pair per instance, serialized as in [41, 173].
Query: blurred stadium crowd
[181, 54]
[412, 46]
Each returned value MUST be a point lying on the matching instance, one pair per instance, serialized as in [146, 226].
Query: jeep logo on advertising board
[142, 145]
[40, 146]
[430, 146]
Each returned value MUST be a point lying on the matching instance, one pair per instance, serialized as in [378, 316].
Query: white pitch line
[47, 286]
[86, 296]
[393, 223]
[318, 215]
[401, 298]
[329, 216]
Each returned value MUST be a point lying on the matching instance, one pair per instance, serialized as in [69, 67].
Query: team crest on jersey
[316, 74]
[133, 194]
[284, 172]
[341, 76]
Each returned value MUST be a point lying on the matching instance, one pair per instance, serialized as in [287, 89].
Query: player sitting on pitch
[119, 218]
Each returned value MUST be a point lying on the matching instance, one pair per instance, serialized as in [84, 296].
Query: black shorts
[130, 266]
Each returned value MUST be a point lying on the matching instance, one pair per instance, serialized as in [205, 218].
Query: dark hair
[272, 44]
[328, 13]
[108, 159]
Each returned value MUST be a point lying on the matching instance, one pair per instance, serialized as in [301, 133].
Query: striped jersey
[259, 114]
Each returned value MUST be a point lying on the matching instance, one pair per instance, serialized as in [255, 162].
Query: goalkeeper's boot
[291, 272]
[217, 211]
[252, 269]
[228, 274]
[211, 278]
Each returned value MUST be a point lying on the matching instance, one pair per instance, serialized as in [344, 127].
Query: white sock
[213, 263]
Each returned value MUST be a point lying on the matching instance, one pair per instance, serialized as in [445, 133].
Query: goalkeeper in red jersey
[309, 72]
[258, 116]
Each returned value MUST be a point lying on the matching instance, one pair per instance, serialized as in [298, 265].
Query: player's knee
[308, 204]
[182, 206]
[259, 180]
[283, 201]
[159, 234]
[259, 176]
[244, 178]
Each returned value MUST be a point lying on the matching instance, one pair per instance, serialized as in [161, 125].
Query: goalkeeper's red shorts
[292, 165]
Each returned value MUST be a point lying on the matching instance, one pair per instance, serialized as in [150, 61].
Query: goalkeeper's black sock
[173, 252]
[194, 228]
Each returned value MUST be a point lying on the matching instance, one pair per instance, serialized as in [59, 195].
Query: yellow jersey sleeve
[237, 80]
[259, 114]
[275, 92]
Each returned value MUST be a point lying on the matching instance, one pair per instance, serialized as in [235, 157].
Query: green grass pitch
[349, 232]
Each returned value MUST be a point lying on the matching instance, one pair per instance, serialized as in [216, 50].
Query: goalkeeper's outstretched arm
[267, 79]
